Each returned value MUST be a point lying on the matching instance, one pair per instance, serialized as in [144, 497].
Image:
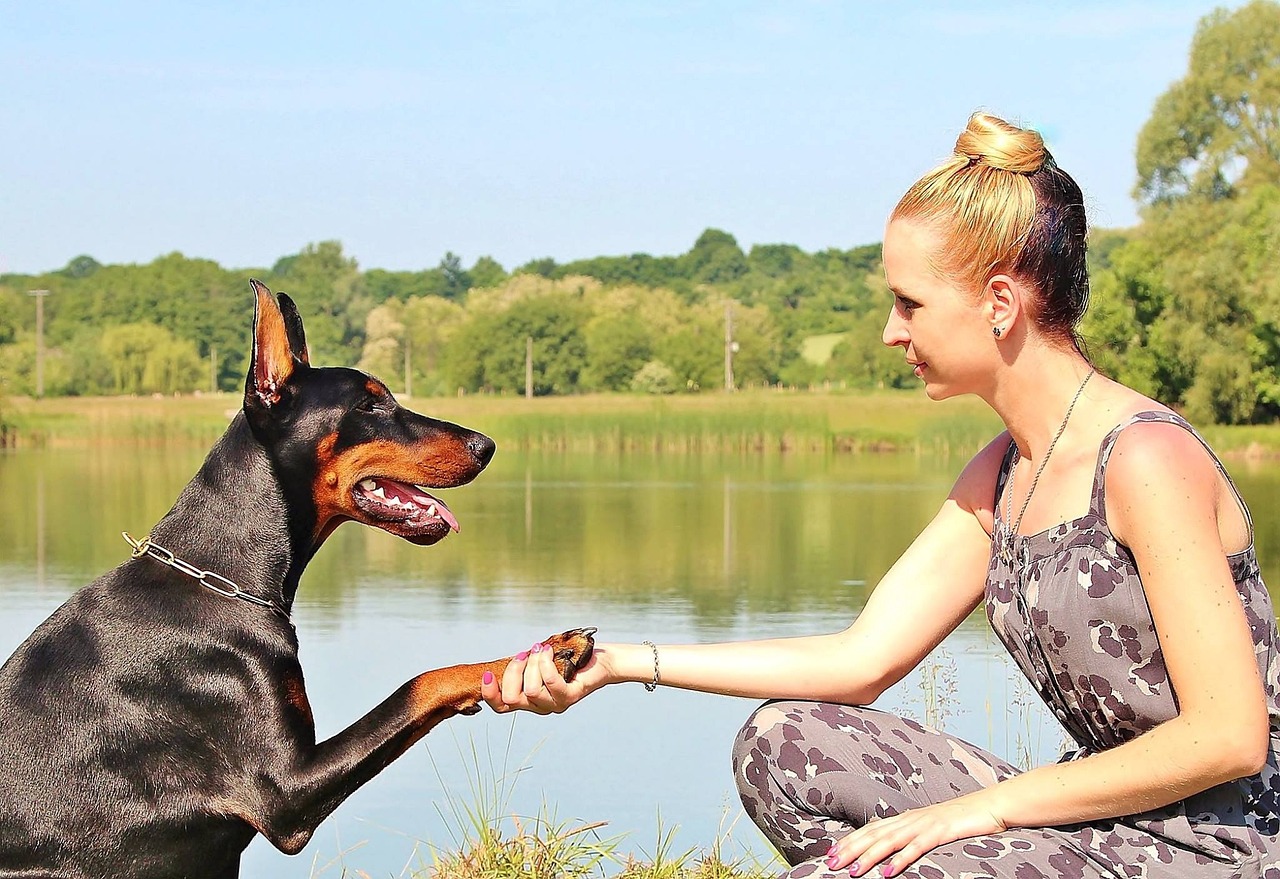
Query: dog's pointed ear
[272, 362]
[293, 328]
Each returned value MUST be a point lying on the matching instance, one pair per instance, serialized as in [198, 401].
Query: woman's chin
[938, 390]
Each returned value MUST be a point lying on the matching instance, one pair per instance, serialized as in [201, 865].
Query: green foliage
[147, 359]
[655, 377]
[329, 283]
[1186, 307]
[715, 258]
[1218, 126]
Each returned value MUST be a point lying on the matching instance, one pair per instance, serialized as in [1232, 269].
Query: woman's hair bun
[991, 141]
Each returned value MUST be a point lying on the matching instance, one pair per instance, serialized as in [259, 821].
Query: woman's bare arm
[931, 588]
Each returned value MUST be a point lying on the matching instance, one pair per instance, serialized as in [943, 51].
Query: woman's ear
[1002, 304]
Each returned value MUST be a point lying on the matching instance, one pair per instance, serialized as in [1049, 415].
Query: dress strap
[1097, 499]
[1002, 477]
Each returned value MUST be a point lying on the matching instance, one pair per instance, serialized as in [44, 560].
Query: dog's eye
[368, 404]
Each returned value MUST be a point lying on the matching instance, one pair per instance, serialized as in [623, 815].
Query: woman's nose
[895, 330]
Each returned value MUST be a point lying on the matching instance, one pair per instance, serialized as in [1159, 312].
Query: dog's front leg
[301, 794]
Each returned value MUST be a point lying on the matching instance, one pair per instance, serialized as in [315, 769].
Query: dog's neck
[233, 518]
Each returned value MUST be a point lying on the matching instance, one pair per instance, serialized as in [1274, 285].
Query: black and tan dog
[152, 726]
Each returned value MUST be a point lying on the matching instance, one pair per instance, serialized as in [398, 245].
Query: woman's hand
[895, 843]
[532, 682]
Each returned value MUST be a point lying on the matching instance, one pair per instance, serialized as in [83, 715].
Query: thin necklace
[1008, 500]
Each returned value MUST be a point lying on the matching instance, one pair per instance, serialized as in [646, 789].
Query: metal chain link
[207, 579]
[657, 678]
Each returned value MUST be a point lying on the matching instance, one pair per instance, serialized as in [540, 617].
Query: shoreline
[758, 421]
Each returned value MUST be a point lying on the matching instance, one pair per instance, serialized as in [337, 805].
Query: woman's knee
[793, 740]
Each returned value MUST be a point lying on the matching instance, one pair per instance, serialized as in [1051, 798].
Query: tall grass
[751, 421]
[487, 840]
[747, 421]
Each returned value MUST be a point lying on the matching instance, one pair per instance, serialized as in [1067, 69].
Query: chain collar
[208, 579]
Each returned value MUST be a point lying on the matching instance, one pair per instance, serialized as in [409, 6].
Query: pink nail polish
[886, 870]
[487, 678]
[522, 655]
[855, 868]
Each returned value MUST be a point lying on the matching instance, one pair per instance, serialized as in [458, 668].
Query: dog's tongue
[426, 501]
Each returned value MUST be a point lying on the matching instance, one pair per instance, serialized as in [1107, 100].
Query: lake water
[674, 548]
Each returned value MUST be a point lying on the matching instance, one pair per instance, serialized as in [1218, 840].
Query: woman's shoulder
[1154, 440]
[1156, 468]
[975, 488]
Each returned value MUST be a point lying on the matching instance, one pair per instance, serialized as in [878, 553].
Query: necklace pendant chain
[208, 579]
[1016, 523]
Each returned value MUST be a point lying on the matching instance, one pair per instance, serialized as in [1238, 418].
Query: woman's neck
[1032, 395]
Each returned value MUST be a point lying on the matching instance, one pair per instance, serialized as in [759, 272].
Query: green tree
[619, 343]
[147, 359]
[326, 284]
[431, 322]
[1220, 124]
[487, 272]
[383, 353]
[715, 258]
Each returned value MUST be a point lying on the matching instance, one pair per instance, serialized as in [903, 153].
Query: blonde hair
[1003, 206]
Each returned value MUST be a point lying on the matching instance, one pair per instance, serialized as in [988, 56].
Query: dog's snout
[481, 447]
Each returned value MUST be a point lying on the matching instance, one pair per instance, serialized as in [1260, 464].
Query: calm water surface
[672, 548]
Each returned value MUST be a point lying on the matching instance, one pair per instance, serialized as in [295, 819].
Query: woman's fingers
[530, 682]
[513, 678]
[491, 692]
[534, 683]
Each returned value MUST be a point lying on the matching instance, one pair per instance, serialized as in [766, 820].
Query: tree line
[1186, 305]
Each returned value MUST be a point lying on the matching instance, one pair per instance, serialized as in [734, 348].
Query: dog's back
[117, 726]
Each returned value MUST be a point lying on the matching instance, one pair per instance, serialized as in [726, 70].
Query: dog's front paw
[571, 650]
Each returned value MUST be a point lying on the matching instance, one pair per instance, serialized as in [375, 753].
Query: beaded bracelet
[657, 679]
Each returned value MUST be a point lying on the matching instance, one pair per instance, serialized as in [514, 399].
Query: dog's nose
[481, 447]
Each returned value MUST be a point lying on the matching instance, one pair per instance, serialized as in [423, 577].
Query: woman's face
[940, 328]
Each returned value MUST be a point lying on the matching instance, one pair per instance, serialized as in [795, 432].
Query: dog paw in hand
[571, 650]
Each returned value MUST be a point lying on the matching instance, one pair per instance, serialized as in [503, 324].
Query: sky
[242, 131]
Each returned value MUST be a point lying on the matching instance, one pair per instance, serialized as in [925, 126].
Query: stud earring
[996, 331]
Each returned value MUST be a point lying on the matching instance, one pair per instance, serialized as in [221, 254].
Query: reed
[749, 421]
[759, 420]
[489, 841]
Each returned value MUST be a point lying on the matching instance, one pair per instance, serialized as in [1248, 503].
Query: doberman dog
[151, 726]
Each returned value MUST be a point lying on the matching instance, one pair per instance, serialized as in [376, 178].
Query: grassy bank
[748, 421]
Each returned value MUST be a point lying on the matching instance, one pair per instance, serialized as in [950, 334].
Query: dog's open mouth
[404, 509]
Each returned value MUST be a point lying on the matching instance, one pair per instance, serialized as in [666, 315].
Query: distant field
[817, 349]
[756, 421]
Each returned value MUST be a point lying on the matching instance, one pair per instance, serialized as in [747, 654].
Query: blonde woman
[1112, 554]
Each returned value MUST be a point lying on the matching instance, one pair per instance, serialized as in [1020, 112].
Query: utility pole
[39, 295]
[528, 367]
[730, 346]
[408, 363]
[213, 369]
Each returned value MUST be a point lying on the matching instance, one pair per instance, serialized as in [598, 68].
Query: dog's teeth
[380, 492]
[431, 510]
[368, 484]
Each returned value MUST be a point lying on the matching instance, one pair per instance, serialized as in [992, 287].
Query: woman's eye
[906, 304]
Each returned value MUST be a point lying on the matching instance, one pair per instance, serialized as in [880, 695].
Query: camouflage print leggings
[810, 772]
